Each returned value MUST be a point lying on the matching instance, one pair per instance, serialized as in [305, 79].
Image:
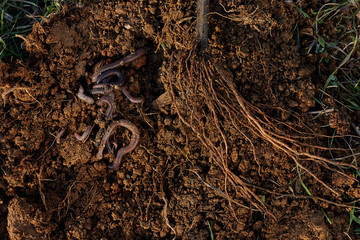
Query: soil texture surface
[53, 186]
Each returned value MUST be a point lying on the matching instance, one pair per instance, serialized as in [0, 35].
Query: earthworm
[105, 77]
[108, 147]
[133, 142]
[99, 136]
[138, 53]
[82, 96]
[131, 98]
[101, 88]
[58, 137]
[109, 99]
[103, 84]
[85, 135]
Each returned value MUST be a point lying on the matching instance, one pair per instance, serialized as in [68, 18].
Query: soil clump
[169, 186]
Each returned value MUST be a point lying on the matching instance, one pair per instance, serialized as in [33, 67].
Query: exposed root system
[203, 93]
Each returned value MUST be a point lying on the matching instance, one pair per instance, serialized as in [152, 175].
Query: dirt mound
[169, 186]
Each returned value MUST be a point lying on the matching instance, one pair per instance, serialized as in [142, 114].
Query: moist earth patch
[169, 185]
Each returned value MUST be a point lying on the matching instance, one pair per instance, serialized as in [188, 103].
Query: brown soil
[169, 186]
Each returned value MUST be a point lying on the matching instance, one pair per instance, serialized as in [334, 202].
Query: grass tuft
[16, 19]
[336, 39]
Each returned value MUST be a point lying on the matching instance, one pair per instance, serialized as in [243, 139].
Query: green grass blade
[210, 230]
[301, 181]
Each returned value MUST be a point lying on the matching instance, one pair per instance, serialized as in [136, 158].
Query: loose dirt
[168, 186]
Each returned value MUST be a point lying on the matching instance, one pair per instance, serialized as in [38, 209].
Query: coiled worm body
[122, 151]
[138, 53]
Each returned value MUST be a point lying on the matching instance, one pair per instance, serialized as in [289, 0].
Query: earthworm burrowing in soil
[103, 84]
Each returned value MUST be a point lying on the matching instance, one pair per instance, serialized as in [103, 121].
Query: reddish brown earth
[62, 191]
